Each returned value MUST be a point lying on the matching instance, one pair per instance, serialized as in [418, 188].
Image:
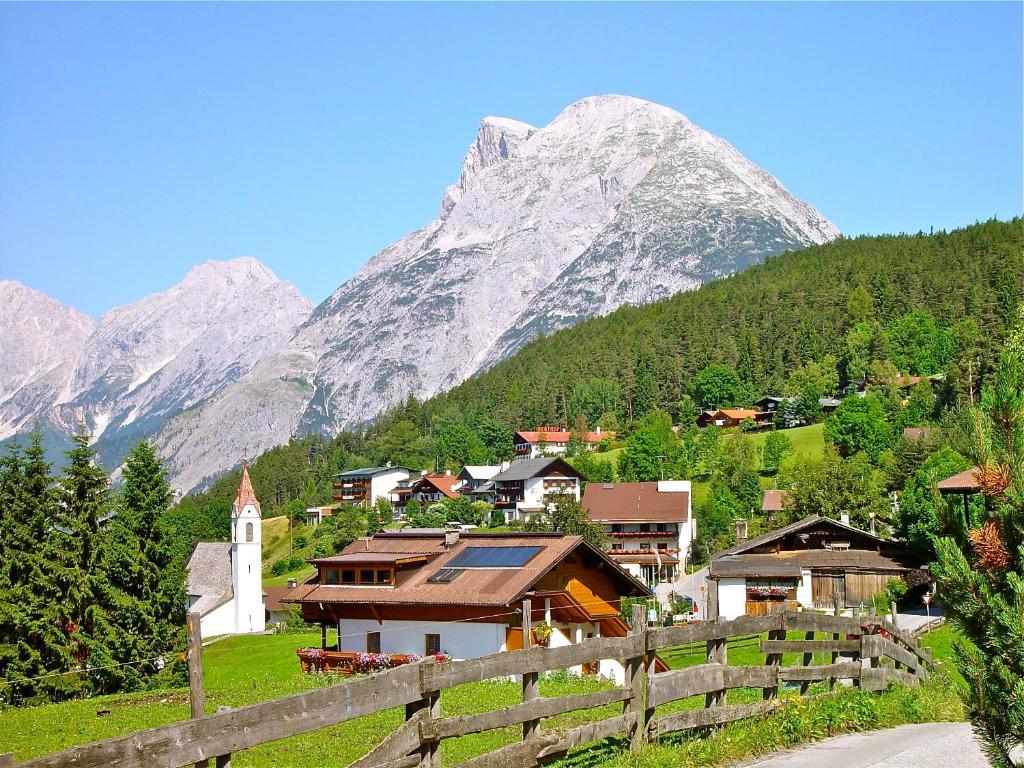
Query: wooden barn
[804, 564]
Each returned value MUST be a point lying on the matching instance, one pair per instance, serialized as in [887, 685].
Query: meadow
[248, 669]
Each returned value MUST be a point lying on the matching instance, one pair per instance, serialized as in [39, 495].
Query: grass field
[248, 669]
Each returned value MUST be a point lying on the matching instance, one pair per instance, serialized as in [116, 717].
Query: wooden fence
[863, 643]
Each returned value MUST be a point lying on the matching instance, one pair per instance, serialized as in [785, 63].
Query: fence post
[196, 696]
[531, 680]
[7, 760]
[774, 659]
[717, 653]
[223, 761]
[711, 612]
[892, 611]
[835, 636]
[807, 660]
[430, 756]
[636, 679]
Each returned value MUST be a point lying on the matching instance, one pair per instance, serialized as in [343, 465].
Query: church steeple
[246, 496]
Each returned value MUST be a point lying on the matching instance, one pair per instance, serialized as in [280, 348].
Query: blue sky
[139, 140]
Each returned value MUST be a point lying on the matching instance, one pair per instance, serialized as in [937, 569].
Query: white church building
[225, 580]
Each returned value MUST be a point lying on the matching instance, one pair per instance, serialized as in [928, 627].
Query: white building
[527, 486]
[649, 526]
[366, 485]
[552, 441]
[224, 581]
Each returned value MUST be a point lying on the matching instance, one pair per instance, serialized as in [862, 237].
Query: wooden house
[804, 564]
[462, 594]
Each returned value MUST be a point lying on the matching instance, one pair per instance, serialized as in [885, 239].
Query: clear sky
[139, 140]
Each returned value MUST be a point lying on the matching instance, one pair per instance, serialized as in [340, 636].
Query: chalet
[224, 581]
[472, 477]
[771, 404]
[552, 441]
[462, 595]
[919, 434]
[773, 502]
[427, 489]
[277, 612]
[525, 487]
[732, 417]
[828, 404]
[804, 563]
[364, 486]
[649, 525]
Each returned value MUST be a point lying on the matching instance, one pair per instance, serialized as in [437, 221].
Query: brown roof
[246, 495]
[274, 597]
[356, 558]
[807, 522]
[442, 482]
[789, 563]
[773, 501]
[635, 502]
[961, 482]
[492, 587]
[399, 542]
[739, 413]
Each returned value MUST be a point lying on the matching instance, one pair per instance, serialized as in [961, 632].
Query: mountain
[40, 342]
[147, 362]
[616, 201]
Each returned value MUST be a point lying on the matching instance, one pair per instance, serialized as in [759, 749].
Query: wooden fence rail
[855, 647]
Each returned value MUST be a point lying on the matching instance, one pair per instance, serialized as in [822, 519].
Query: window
[248, 531]
[616, 528]
[431, 645]
[383, 577]
[348, 577]
[366, 576]
[330, 575]
[373, 642]
[662, 527]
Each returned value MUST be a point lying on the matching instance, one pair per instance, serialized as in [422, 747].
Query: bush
[285, 564]
[301, 542]
[497, 517]
[895, 591]
[324, 547]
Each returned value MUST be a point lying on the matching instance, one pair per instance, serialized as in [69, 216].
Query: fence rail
[418, 687]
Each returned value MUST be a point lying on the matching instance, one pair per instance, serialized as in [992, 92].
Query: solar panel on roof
[493, 557]
[445, 576]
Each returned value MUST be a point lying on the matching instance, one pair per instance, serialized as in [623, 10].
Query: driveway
[928, 745]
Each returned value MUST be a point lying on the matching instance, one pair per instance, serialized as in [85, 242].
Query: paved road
[908, 746]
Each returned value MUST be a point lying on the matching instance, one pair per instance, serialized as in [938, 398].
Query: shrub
[300, 542]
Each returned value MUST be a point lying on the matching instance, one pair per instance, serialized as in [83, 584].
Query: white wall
[804, 595]
[219, 621]
[247, 572]
[732, 598]
[382, 485]
[461, 641]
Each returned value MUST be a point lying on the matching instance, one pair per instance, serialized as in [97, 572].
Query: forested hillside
[919, 304]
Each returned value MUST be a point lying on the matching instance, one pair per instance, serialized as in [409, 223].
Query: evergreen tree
[859, 424]
[83, 504]
[980, 567]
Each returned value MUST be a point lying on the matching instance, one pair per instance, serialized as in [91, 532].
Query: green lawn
[249, 669]
[808, 442]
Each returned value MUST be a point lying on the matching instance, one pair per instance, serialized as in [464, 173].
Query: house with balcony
[364, 486]
[399, 594]
[426, 489]
[528, 486]
[649, 526]
[552, 441]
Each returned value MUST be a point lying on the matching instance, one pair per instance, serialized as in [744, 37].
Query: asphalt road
[908, 746]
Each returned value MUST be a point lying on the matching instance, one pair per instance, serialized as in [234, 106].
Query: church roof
[209, 576]
[246, 494]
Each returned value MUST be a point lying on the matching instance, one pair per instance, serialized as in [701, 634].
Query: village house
[552, 441]
[462, 595]
[364, 486]
[525, 487]
[470, 478]
[278, 612]
[224, 580]
[649, 525]
[733, 417]
[803, 564]
[773, 502]
[428, 489]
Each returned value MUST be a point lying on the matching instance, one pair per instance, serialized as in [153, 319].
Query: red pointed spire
[246, 494]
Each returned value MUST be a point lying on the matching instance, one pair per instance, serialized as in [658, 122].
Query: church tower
[247, 557]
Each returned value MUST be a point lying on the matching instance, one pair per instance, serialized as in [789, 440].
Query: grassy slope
[277, 544]
[248, 669]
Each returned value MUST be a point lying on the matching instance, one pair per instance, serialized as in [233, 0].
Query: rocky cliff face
[150, 361]
[616, 200]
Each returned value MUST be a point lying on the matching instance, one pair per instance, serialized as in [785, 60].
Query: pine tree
[143, 584]
[980, 569]
[83, 502]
